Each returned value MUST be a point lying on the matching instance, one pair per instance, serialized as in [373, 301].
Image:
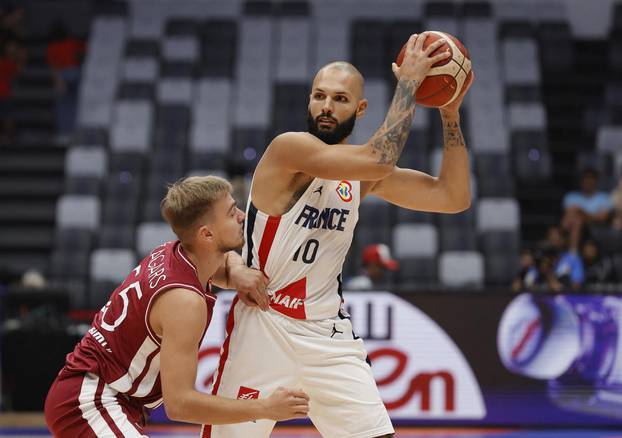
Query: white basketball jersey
[302, 251]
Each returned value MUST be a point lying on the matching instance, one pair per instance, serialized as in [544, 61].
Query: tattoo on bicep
[452, 135]
[390, 139]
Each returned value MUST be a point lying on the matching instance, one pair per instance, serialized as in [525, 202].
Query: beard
[334, 135]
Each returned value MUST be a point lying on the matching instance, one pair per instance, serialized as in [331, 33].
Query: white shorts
[265, 350]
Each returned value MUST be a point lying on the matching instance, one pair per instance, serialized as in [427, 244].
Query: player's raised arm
[179, 317]
[449, 192]
[305, 153]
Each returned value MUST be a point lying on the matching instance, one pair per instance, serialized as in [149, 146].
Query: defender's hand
[251, 286]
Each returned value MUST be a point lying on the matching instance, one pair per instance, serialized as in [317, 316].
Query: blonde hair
[190, 199]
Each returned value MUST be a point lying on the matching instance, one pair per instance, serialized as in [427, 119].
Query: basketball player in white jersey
[300, 221]
[142, 348]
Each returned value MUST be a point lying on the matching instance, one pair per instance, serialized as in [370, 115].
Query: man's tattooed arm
[452, 134]
[388, 142]
[455, 174]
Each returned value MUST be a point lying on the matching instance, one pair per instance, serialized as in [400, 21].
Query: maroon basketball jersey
[121, 347]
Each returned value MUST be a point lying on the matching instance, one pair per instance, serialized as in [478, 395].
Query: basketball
[447, 77]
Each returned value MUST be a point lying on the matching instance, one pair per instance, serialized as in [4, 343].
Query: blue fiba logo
[538, 337]
[573, 342]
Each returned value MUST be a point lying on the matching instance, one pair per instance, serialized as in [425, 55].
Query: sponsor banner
[420, 372]
[477, 358]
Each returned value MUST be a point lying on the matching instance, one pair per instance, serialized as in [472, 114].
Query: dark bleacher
[31, 179]
[170, 91]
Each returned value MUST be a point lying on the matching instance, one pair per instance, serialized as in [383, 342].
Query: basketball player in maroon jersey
[142, 348]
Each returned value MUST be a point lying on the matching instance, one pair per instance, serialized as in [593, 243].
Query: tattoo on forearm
[388, 142]
[452, 134]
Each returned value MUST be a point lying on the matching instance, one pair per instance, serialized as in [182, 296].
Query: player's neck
[206, 261]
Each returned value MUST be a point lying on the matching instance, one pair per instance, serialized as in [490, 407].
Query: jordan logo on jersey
[247, 393]
[290, 300]
[344, 190]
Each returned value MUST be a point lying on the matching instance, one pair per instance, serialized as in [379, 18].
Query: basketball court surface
[193, 432]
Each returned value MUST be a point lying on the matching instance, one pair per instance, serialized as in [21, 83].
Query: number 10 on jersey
[309, 253]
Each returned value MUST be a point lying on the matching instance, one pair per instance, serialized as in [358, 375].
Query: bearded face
[328, 129]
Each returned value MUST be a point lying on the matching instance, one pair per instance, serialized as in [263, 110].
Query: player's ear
[205, 234]
[361, 108]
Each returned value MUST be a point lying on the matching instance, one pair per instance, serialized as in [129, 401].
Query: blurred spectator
[569, 270]
[33, 279]
[538, 271]
[64, 55]
[585, 207]
[12, 22]
[10, 66]
[377, 263]
[598, 268]
[555, 265]
[616, 199]
[12, 28]
[546, 262]
[554, 239]
[528, 274]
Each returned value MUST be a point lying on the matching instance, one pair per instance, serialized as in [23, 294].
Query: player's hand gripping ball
[447, 77]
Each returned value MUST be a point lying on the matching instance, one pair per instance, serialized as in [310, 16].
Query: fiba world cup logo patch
[344, 190]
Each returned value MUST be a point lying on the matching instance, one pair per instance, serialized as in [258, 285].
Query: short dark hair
[589, 171]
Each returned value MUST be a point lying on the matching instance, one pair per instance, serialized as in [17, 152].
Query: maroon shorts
[83, 405]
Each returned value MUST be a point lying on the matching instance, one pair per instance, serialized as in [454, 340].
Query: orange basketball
[447, 77]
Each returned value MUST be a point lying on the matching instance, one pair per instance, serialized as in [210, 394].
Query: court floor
[193, 432]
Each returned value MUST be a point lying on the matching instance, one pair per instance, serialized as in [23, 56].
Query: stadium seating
[461, 269]
[78, 211]
[152, 234]
[176, 89]
[498, 226]
[108, 268]
[416, 247]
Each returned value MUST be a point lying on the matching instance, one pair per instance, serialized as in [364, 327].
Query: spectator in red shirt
[64, 55]
[10, 66]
